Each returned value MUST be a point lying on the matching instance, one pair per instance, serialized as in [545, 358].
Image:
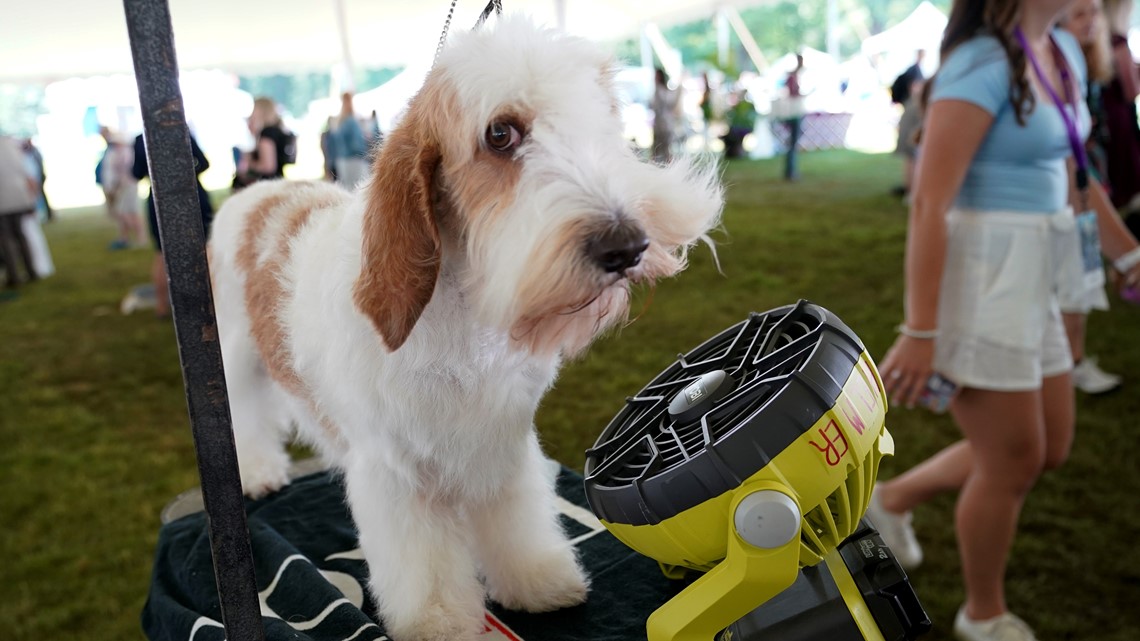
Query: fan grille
[759, 353]
[787, 368]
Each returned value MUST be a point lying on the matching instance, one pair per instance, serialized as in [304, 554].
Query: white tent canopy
[55, 39]
[921, 30]
[895, 48]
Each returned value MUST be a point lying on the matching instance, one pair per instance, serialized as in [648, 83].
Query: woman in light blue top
[990, 225]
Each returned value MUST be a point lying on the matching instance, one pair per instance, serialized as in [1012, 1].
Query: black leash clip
[493, 5]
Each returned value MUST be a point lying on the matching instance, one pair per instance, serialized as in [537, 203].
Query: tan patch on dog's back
[256, 221]
[263, 252]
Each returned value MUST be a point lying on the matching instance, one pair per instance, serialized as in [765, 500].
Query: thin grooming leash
[493, 5]
[443, 36]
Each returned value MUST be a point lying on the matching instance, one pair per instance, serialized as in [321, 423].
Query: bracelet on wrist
[1128, 261]
[921, 334]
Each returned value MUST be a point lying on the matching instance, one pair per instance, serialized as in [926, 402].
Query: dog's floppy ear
[400, 253]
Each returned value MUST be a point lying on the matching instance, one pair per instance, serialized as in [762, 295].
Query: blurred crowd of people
[726, 114]
[347, 145]
[24, 253]
[1112, 146]
[1020, 157]
[347, 142]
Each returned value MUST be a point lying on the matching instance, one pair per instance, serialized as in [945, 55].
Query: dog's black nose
[618, 248]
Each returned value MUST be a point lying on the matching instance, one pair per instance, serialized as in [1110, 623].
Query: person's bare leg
[137, 233]
[1006, 431]
[124, 224]
[1075, 330]
[946, 471]
[23, 246]
[9, 249]
[161, 286]
[1060, 418]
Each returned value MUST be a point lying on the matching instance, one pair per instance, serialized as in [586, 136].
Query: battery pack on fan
[750, 462]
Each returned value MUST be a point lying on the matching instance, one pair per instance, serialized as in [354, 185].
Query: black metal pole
[174, 184]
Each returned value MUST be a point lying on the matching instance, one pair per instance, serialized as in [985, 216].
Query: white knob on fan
[767, 519]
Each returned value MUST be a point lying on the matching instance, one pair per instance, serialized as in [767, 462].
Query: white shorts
[998, 318]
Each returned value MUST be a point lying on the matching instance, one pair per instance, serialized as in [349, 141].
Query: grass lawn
[96, 439]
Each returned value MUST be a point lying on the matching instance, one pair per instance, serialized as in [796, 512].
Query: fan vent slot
[827, 525]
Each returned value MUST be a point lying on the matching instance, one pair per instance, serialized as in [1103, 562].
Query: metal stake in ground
[184, 248]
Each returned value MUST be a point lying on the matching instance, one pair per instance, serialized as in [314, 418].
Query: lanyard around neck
[1079, 153]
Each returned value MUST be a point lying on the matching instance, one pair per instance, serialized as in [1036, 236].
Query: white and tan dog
[409, 330]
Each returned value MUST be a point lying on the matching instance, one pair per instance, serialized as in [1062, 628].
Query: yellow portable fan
[751, 460]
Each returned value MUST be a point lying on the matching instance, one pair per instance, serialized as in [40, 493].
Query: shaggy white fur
[409, 330]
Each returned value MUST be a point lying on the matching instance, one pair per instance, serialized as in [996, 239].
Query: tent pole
[560, 14]
[646, 47]
[345, 50]
[746, 39]
[669, 57]
[175, 190]
[833, 29]
[722, 35]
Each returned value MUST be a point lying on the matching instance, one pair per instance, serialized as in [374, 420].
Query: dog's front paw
[553, 582]
[262, 475]
[438, 622]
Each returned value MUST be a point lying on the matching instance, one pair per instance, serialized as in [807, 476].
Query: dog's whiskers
[644, 306]
[574, 309]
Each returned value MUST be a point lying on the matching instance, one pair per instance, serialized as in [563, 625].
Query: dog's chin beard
[555, 327]
[569, 329]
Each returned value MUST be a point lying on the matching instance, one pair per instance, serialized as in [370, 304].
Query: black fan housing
[719, 414]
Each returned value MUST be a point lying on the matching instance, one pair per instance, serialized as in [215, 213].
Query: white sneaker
[897, 533]
[1091, 379]
[1006, 627]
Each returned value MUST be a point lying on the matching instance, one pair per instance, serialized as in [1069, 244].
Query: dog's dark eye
[502, 136]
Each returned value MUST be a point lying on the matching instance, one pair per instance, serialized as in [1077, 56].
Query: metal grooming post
[173, 181]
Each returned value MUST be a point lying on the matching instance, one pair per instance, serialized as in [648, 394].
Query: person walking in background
[374, 134]
[271, 150]
[121, 190]
[902, 87]
[348, 145]
[907, 91]
[909, 124]
[1085, 21]
[33, 155]
[141, 170]
[666, 105]
[794, 120]
[708, 110]
[989, 226]
[17, 201]
[1122, 146]
[741, 117]
[32, 226]
[327, 151]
